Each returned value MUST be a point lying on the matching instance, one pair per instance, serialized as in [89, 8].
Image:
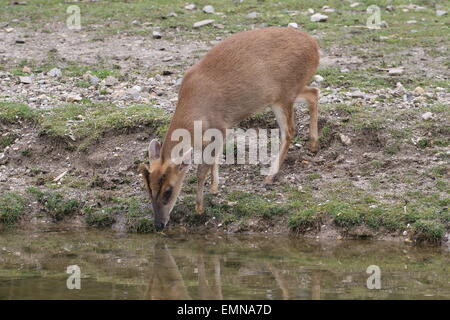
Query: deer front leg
[214, 178]
[202, 172]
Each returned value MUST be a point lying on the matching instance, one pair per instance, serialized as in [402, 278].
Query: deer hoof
[199, 208]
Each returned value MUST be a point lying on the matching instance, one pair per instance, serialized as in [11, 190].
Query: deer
[239, 77]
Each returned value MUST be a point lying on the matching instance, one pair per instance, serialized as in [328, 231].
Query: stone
[395, 71]
[26, 69]
[345, 139]
[318, 78]
[293, 25]
[110, 81]
[253, 15]
[208, 9]
[411, 21]
[135, 92]
[419, 90]
[156, 35]
[72, 97]
[427, 116]
[328, 9]
[441, 13]
[190, 7]
[202, 23]
[55, 72]
[319, 17]
[93, 80]
[311, 11]
[25, 80]
[354, 4]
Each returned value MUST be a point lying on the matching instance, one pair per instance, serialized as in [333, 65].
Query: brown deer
[240, 76]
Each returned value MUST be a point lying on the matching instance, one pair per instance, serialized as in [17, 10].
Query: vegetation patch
[12, 206]
[12, 112]
[100, 218]
[55, 204]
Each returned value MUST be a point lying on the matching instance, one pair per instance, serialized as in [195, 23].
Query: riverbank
[78, 109]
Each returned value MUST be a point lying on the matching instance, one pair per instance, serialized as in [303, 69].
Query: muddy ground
[384, 138]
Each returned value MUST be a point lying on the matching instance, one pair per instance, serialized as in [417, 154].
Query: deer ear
[145, 172]
[154, 149]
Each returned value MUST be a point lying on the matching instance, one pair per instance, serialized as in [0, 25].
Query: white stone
[208, 9]
[427, 116]
[318, 78]
[293, 25]
[190, 7]
[441, 13]
[319, 17]
[55, 72]
[202, 23]
[253, 15]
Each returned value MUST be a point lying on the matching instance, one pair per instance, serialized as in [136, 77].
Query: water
[33, 266]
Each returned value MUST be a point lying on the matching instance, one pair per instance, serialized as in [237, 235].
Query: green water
[113, 266]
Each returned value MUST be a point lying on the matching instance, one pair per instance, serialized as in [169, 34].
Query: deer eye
[166, 195]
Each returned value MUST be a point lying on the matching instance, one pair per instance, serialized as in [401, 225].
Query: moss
[55, 204]
[100, 218]
[12, 206]
[11, 112]
[428, 230]
[304, 219]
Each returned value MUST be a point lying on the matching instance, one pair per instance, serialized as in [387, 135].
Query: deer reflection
[167, 283]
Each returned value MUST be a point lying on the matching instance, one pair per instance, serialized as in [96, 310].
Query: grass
[12, 207]
[55, 204]
[99, 218]
[11, 112]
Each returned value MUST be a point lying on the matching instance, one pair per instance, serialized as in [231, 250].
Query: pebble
[55, 72]
[327, 9]
[419, 90]
[110, 81]
[395, 71]
[93, 80]
[427, 116]
[318, 78]
[25, 80]
[354, 4]
[411, 21]
[202, 23]
[293, 25]
[26, 69]
[208, 9]
[253, 15]
[319, 17]
[156, 35]
[73, 98]
[441, 13]
[190, 7]
[345, 139]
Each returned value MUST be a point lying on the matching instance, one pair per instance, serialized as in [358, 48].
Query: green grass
[11, 112]
[100, 218]
[12, 207]
[55, 204]
[7, 140]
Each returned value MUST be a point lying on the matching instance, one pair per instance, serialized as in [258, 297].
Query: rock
[202, 23]
[318, 78]
[319, 17]
[328, 9]
[26, 69]
[293, 25]
[219, 26]
[395, 71]
[72, 97]
[419, 90]
[25, 80]
[345, 70]
[167, 59]
[411, 22]
[190, 6]
[441, 13]
[172, 14]
[345, 139]
[9, 30]
[156, 35]
[208, 9]
[354, 4]
[311, 11]
[93, 80]
[427, 116]
[55, 72]
[253, 15]
[110, 81]
[20, 41]
[356, 94]
[135, 92]
[390, 8]
[384, 24]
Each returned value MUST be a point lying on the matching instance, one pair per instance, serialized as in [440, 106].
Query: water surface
[113, 266]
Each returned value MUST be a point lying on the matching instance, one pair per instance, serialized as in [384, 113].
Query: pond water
[33, 265]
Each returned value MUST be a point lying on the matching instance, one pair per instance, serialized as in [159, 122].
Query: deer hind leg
[202, 172]
[285, 119]
[311, 95]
